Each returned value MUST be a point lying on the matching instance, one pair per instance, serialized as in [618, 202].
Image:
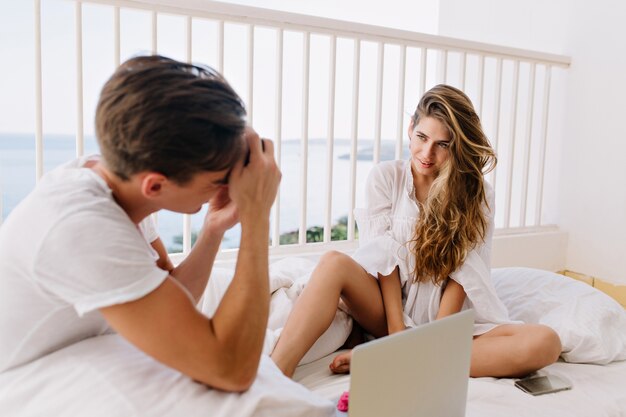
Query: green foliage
[177, 247]
[339, 231]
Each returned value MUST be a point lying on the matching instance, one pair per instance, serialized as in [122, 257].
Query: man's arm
[164, 262]
[222, 351]
[194, 271]
[452, 299]
[391, 291]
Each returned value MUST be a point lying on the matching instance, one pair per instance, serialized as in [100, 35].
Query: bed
[106, 376]
[591, 325]
[597, 391]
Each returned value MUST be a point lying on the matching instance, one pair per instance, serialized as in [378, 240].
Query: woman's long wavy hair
[452, 220]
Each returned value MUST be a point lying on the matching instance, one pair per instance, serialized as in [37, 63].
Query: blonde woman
[425, 249]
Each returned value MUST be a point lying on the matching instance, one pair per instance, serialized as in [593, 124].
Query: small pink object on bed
[342, 404]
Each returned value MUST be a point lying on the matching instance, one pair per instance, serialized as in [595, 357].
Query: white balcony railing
[344, 74]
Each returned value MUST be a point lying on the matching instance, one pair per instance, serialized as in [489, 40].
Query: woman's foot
[341, 363]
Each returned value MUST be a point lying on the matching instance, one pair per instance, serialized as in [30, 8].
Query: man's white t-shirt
[67, 250]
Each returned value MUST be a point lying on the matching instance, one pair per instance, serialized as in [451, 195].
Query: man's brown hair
[158, 114]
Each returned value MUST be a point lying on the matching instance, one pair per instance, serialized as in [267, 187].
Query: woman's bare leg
[336, 275]
[514, 350]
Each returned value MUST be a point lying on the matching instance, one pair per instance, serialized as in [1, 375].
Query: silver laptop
[419, 372]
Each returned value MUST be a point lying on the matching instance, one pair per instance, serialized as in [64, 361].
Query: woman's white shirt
[386, 226]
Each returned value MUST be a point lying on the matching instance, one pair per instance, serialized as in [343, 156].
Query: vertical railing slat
[379, 101]
[154, 27]
[481, 85]
[304, 140]
[116, 36]
[544, 139]
[330, 141]
[278, 130]
[529, 135]
[512, 134]
[400, 111]
[186, 217]
[38, 95]
[423, 69]
[220, 47]
[462, 70]
[80, 142]
[354, 135]
[443, 69]
[496, 120]
[250, 74]
[188, 39]
[154, 46]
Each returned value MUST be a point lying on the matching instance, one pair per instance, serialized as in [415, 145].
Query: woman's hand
[397, 329]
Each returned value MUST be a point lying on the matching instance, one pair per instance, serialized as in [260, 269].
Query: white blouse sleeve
[378, 251]
[475, 277]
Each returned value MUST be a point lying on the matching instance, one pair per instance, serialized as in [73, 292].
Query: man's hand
[253, 187]
[222, 213]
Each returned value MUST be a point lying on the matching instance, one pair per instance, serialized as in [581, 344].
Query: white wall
[594, 174]
[530, 24]
[591, 157]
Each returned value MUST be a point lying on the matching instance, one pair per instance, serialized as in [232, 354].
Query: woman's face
[429, 143]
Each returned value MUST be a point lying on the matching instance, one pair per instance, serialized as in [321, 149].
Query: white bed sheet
[107, 377]
[597, 391]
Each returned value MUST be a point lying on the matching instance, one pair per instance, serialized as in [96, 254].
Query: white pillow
[591, 325]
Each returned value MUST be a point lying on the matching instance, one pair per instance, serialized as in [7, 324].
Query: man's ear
[152, 184]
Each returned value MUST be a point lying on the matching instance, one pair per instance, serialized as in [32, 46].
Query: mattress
[597, 391]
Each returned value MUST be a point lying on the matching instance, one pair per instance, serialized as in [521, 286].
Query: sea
[18, 178]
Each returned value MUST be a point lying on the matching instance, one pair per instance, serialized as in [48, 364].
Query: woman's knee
[335, 261]
[551, 343]
[331, 266]
[334, 257]
[543, 345]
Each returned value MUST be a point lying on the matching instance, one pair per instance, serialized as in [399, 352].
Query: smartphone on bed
[537, 385]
